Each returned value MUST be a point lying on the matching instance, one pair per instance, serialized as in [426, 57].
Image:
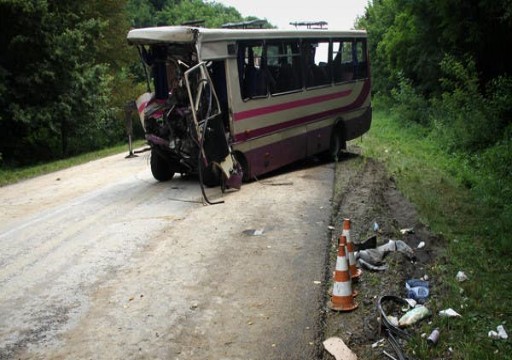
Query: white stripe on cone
[341, 264]
[342, 289]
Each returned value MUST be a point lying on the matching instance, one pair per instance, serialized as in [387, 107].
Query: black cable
[390, 329]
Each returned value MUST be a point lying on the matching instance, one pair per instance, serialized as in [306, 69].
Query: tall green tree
[56, 76]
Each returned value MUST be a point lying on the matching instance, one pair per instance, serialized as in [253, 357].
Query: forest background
[67, 72]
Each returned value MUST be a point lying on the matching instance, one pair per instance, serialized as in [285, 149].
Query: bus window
[342, 60]
[283, 60]
[252, 67]
[315, 55]
[361, 61]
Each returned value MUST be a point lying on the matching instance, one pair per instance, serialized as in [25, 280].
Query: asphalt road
[100, 261]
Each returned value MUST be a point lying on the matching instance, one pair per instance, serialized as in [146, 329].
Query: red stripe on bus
[250, 134]
[289, 105]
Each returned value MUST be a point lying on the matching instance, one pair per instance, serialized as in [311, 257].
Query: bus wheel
[160, 167]
[338, 144]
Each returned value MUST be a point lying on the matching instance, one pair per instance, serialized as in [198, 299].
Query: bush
[466, 118]
[408, 103]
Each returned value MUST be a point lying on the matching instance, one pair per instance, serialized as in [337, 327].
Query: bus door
[208, 126]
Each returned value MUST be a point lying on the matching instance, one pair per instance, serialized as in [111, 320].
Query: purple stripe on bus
[242, 115]
[246, 135]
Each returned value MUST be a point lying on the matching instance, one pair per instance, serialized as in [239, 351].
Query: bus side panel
[358, 125]
[274, 156]
[319, 136]
[273, 151]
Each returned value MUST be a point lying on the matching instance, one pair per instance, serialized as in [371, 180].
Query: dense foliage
[66, 71]
[443, 64]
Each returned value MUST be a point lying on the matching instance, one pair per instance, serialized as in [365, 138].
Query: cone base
[337, 307]
[355, 275]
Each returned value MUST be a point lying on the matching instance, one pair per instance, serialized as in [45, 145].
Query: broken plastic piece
[449, 313]
[417, 290]
[412, 303]
[407, 231]
[414, 315]
[460, 277]
[337, 348]
[501, 334]
[433, 338]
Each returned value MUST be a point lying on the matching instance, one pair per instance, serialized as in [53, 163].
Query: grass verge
[10, 176]
[427, 177]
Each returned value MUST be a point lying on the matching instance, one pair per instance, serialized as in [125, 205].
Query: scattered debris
[421, 245]
[433, 338]
[413, 316]
[253, 232]
[316, 282]
[373, 259]
[330, 227]
[501, 334]
[461, 276]
[393, 320]
[389, 355]
[407, 231]
[390, 330]
[336, 347]
[412, 303]
[501, 331]
[369, 266]
[449, 313]
[370, 243]
[378, 343]
[417, 290]
[375, 226]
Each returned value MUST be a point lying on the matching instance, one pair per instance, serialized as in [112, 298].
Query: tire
[338, 144]
[160, 167]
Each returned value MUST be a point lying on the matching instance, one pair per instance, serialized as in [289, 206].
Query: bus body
[228, 102]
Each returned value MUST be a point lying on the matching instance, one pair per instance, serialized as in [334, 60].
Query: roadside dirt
[365, 193]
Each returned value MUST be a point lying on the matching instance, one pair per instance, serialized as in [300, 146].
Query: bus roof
[187, 34]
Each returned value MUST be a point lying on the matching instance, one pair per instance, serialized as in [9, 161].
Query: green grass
[428, 177]
[10, 176]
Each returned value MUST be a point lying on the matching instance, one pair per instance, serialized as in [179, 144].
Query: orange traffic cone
[342, 298]
[355, 272]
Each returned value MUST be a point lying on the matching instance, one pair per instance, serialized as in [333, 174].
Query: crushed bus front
[182, 116]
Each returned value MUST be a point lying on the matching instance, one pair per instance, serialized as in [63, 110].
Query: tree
[56, 75]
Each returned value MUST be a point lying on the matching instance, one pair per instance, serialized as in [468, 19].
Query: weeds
[475, 223]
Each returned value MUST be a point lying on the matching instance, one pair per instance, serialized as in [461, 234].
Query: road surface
[100, 261]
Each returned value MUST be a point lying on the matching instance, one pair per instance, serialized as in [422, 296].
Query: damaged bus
[230, 104]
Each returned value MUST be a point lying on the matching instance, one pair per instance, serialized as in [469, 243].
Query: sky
[340, 14]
